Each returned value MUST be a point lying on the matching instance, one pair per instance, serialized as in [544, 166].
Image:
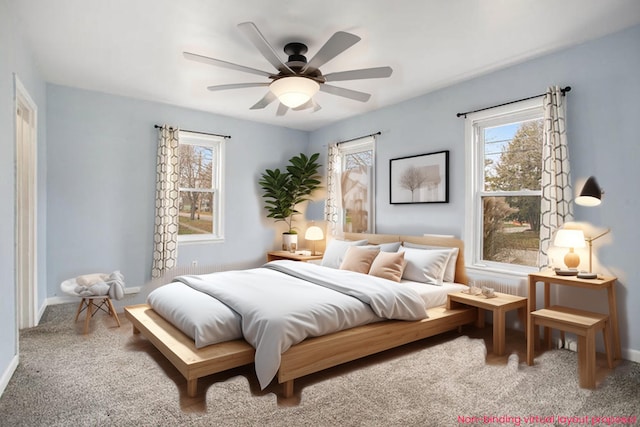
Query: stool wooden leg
[606, 331]
[587, 359]
[112, 311]
[89, 313]
[79, 309]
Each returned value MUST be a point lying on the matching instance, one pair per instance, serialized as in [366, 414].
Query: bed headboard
[450, 242]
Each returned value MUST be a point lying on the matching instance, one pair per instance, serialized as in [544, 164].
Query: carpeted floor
[111, 377]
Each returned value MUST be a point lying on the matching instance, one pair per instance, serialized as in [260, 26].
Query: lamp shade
[294, 91]
[569, 239]
[591, 193]
[314, 233]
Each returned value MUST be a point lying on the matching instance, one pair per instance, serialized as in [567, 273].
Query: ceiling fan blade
[309, 104]
[236, 86]
[258, 40]
[266, 100]
[282, 110]
[366, 73]
[224, 64]
[347, 93]
[338, 43]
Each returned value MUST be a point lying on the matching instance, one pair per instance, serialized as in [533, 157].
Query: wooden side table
[277, 255]
[549, 277]
[498, 305]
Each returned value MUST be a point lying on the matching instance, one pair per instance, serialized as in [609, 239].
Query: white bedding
[275, 309]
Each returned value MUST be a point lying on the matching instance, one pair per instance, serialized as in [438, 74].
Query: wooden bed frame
[313, 354]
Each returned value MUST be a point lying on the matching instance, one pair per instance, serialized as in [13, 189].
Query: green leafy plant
[283, 191]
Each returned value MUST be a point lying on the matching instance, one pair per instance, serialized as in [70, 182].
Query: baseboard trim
[68, 298]
[8, 373]
[632, 355]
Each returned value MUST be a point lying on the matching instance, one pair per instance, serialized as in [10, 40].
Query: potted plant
[283, 191]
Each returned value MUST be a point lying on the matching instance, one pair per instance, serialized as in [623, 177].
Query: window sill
[199, 239]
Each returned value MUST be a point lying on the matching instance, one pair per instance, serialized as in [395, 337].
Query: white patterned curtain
[557, 193]
[333, 206]
[165, 239]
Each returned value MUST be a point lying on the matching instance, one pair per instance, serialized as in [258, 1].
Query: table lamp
[314, 233]
[570, 239]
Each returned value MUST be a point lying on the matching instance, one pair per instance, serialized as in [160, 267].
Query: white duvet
[279, 305]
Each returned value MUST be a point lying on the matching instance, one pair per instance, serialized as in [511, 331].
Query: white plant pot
[289, 242]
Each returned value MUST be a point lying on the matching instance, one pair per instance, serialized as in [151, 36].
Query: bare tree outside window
[196, 195]
[354, 182]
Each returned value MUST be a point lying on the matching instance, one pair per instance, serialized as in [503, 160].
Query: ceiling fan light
[294, 91]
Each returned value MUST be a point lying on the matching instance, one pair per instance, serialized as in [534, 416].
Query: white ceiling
[134, 47]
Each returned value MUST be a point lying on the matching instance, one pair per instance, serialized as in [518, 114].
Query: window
[356, 166]
[504, 159]
[201, 158]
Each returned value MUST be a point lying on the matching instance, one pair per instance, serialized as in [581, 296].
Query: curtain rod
[195, 131]
[360, 137]
[563, 90]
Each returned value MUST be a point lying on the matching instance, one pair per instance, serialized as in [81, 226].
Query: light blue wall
[603, 112]
[101, 172]
[15, 57]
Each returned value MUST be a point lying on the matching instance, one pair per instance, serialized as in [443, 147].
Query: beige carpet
[112, 378]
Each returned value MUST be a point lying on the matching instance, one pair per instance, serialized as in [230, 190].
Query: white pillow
[334, 253]
[385, 247]
[450, 269]
[426, 266]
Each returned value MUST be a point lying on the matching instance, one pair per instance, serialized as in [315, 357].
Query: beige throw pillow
[388, 265]
[358, 259]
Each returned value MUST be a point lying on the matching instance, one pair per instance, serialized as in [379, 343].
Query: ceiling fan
[297, 81]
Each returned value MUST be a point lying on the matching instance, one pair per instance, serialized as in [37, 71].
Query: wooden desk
[549, 277]
[498, 306]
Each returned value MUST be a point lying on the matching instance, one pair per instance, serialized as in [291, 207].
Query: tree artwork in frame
[419, 179]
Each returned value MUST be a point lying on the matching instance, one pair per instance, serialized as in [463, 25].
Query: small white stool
[91, 304]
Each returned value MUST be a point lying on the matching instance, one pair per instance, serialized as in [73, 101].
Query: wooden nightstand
[602, 283]
[276, 255]
[498, 305]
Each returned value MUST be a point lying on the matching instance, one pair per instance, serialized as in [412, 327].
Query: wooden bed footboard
[181, 351]
[316, 354]
[311, 355]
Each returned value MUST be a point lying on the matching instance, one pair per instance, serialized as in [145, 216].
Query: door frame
[26, 262]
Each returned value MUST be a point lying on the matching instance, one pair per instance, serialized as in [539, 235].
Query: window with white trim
[201, 160]
[504, 167]
[357, 190]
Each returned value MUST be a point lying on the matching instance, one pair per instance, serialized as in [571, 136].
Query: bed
[312, 354]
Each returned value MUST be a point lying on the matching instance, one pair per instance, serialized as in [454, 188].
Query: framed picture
[419, 179]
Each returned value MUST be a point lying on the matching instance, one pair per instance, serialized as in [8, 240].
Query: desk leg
[613, 318]
[531, 335]
[498, 332]
[547, 304]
